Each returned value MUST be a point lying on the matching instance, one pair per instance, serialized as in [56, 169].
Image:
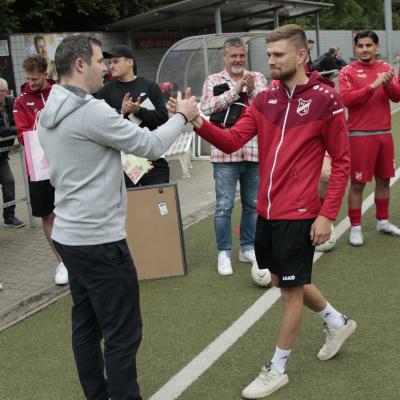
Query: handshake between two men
[187, 107]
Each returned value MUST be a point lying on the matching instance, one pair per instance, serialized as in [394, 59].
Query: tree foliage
[85, 15]
[354, 14]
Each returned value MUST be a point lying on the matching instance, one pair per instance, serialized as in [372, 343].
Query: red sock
[355, 216]
[382, 208]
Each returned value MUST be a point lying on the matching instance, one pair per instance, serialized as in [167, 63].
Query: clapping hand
[128, 106]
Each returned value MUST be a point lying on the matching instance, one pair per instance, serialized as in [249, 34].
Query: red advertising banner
[155, 42]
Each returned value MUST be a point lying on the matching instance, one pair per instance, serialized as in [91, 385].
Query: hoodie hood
[314, 78]
[61, 103]
[317, 78]
[26, 89]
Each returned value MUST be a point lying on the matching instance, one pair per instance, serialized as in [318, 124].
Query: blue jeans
[226, 177]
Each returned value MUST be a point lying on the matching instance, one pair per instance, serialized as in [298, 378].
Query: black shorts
[285, 248]
[42, 198]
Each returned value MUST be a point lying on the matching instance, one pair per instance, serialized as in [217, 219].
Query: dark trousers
[105, 293]
[7, 187]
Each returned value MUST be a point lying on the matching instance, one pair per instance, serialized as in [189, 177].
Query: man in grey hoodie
[82, 138]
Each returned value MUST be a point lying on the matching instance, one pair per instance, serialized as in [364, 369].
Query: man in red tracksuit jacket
[366, 86]
[296, 121]
[34, 94]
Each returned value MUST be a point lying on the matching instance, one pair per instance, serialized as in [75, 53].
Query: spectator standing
[7, 128]
[310, 47]
[27, 106]
[125, 93]
[226, 95]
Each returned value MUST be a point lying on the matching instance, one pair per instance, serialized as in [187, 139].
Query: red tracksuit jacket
[26, 106]
[369, 110]
[294, 130]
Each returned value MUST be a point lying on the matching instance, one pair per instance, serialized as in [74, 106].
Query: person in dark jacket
[340, 63]
[327, 62]
[126, 93]
[7, 128]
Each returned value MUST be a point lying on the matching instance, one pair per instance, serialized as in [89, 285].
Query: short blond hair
[294, 33]
[4, 84]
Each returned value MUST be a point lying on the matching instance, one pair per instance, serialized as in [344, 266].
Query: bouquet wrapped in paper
[135, 167]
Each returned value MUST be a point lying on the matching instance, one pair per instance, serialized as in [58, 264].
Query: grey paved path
[27, 264]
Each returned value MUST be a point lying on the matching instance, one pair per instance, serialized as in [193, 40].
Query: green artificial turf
[182, 316]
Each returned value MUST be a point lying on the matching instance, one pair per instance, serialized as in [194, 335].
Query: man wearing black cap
[126, 92]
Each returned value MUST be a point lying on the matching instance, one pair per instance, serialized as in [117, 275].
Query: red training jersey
[368, 109]
[27, 105]
[294, 128]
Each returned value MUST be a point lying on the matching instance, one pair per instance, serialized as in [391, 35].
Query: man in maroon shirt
[296, 120]
[366, 86]
[27, 106]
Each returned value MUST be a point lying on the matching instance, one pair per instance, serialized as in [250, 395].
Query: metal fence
[20, 150]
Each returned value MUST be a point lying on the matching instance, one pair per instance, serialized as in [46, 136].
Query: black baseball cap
[119, 50]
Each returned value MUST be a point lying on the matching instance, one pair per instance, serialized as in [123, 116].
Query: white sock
[383, 221]
[332, 317]
[356, 228]
[279, 359]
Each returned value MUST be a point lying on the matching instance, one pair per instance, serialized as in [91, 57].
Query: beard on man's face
[280, 75]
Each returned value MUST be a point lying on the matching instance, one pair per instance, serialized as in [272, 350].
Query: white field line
[192, 371]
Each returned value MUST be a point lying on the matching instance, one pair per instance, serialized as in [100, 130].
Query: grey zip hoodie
[82, 138]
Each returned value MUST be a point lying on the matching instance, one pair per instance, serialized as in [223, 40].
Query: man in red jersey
[366, 86]
[29, 103]
[296, 120]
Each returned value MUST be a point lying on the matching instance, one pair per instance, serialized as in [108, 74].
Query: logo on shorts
[358, 176]
[272, 101]
[304, 107]
[288, 278]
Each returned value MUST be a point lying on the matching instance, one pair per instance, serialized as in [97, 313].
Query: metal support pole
[389, 30]
[276, 19]
[217, 19]
[317, 34]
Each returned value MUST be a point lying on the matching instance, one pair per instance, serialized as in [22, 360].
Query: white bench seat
[180, 150]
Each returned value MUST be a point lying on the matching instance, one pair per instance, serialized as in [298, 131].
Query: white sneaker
[224, 263]
[388, 228]
[267, 382]
[329, 244]
[356, 237]
[61, 277]
[335, 339]
[248, 256]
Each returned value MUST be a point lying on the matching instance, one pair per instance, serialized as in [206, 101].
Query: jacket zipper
[290, 95]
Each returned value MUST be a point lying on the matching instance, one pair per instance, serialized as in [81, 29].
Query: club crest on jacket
[303, 107]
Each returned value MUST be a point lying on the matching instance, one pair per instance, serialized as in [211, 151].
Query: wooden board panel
[154, 231]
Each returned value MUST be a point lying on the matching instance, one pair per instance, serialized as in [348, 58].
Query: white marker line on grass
[192, 371]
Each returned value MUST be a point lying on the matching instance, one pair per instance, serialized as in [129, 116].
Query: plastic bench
[180, 150]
